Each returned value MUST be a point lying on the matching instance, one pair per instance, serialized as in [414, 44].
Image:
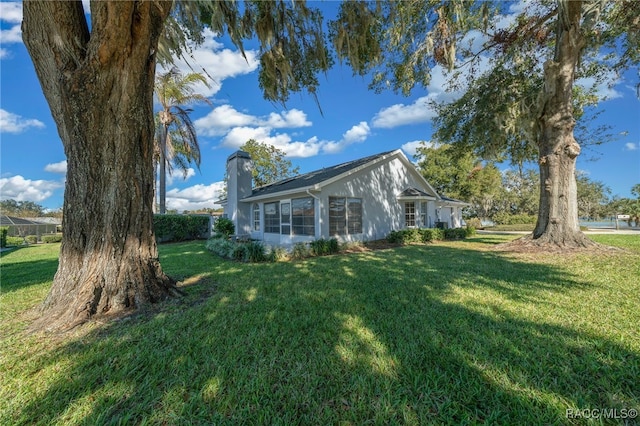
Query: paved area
[595, 231]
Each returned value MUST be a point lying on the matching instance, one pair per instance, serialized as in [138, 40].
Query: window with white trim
[410, 213]
[272, 218]
[256, 217]
[303, 216]
[345, 216]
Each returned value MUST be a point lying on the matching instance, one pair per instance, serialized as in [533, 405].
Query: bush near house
[224, 227]
[51, 238]
[31, 239]
[428, 235]
[180, 227]
[14, 241]
[504, 218]
[3, 236]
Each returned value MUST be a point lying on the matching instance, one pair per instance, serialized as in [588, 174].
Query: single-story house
[361, 200]
[21, 227]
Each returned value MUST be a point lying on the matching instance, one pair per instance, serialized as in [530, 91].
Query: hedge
[51, 238]
[3, 236]
[427, 235]
[180, 227]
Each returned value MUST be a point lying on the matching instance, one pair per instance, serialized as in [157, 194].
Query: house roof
[454, 201]
[10, 220]
[414, 193]
[314, 178]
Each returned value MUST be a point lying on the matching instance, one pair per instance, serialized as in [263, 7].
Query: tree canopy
[269, 163]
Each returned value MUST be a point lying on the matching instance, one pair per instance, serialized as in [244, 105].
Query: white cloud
[13, 123]
[21, 189]
[630, 146]
[194, 197]
[238, 136]
[293, 118]
[11, 12]
[400, 114]
[411, 148]
[216, 63]
[225, 117]
[12, 35]
[4, 53]
[60, 167]
[357, 133]
[178, 175]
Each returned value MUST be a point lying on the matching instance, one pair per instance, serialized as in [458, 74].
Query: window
[345, 216]
[423, 214]
[256, 217]
[354, 216]
[285, 218]
[272, 218]
[303, 216]
[410, 213]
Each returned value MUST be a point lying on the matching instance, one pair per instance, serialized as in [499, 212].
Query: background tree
[524, 104]
[593, 197]
[21, 208]
[521, 192]
[176, 138]
[461, 175]
[269, 163]
[98, 81]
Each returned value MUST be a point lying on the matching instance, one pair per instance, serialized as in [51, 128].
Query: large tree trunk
[99, 86]
[558, 214]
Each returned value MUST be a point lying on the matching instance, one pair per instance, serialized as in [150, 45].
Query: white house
[361, 200]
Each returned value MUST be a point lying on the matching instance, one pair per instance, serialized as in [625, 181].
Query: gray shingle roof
[313, 178]
[414, 192]
[9, 220]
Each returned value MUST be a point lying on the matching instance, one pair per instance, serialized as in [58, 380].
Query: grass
[449, 333]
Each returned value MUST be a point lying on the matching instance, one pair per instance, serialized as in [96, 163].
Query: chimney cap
[239, 154]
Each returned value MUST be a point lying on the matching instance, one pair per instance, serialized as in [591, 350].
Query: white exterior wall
[379, 186]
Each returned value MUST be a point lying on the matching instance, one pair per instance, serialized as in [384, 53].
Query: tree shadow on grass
[20, 274]
[417, 335]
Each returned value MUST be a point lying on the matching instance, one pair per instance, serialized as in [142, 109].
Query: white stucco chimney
[239, 178]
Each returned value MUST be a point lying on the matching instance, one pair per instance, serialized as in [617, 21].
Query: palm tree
[176, 139]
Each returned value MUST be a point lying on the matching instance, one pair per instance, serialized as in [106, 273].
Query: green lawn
[449, 333]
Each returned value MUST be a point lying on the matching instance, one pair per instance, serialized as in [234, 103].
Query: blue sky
[355, 123]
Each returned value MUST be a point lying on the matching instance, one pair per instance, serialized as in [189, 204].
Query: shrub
[51, 238]
[277, 254]
[255, 252]
[432, 234]
[3, 236]
[470, 231]
[14, 241]
[319, 247]
[504, 218]
[31, 239]
[220, 246]
[474, 222]
[224, 227]
[334, 246]
[180, 227]
[455, 233]
[240, 252]
[300, 251]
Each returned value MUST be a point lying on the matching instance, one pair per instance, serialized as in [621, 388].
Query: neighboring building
[21, 227]
[361, 200]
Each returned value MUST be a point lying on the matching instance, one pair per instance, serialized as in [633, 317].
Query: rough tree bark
[99, 86]
[557, 223]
